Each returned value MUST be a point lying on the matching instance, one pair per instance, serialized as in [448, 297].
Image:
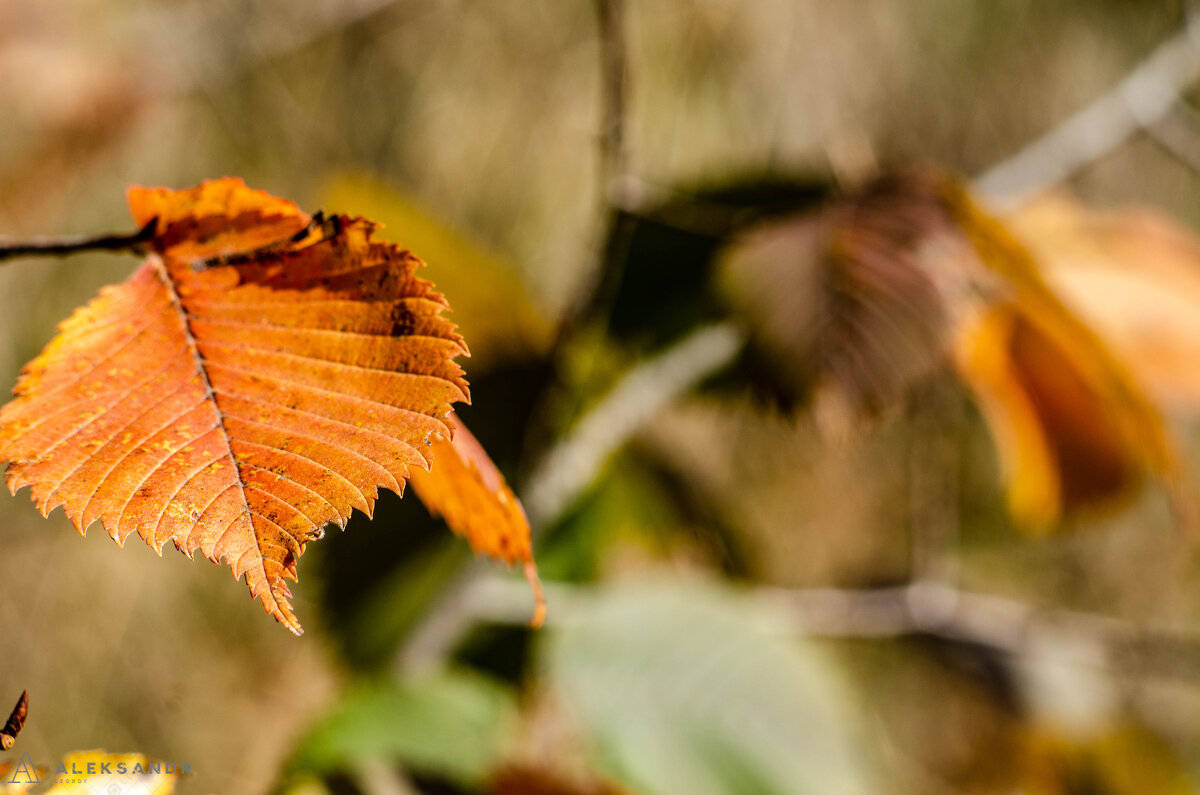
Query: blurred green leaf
[682, 688]
[450, 723]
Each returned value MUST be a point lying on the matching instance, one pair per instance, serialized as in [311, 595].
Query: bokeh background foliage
[698, 640]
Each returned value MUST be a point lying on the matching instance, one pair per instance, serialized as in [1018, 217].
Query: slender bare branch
[614, 75]
[612, 173]
[135, 243]
[568, 467]
[1144, 97]
[1006, 626]
[1179, 135]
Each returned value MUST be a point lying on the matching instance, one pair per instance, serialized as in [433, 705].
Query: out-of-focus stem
[134, 243]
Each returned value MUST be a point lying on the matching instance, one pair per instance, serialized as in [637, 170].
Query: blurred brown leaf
[844, 301]
[911, 274]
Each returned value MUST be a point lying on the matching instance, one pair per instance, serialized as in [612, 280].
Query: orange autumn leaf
[465, 488]
[261, 375]
[1073, 425]
[1059, 445]
[1133, 274]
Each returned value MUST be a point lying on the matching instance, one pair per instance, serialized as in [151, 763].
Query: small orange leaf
[16, 722]
[261, 375]
[465, 488]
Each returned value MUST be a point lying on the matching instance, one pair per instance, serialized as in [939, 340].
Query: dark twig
[136, 243]
[614, 72]
[612, 173]
[565, 470]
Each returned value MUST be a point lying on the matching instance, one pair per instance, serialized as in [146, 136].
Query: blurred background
[753, 587]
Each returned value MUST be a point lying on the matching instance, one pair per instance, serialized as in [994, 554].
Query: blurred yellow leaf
[1073, 426]
[1057, 442]
[1128, 760]
[478, 280]
[1134, 276]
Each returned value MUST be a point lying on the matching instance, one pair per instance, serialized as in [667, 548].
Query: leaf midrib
[164, 276]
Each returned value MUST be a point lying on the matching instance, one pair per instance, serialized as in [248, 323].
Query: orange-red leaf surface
[465, 488]
[260, 376]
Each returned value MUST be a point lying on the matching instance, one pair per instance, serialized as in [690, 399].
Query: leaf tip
[539, 594]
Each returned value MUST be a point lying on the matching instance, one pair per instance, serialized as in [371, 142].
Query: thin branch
[1179, 135]
[1144, 97]
[600, 278]
[614, 74]
[378, 776]
[1008, 627]
[445, 622]
[567, 468]
[570, 466]
[135, 243]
